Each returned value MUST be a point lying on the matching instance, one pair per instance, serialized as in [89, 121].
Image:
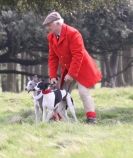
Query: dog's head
[42, 86]
[32, 82]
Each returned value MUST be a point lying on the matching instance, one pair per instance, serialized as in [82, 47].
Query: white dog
[52, 101]
[32, 82]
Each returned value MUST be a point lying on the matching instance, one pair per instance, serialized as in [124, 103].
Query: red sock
[91, 114]
[56, 116]
[59, 116]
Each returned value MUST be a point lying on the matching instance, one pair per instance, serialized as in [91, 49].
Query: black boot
[91, 120]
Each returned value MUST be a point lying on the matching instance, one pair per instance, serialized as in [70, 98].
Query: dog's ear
[39, 85]
[29, 78]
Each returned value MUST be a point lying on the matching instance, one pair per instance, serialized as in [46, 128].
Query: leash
[68, 86]
[53, 86]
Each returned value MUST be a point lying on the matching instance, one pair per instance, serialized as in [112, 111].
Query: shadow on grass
[116, 115]
[111, 116]
[23, 116]
[105, 117]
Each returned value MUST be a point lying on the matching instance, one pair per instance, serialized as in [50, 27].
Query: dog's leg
[71, 106]
[66, 115]
[36, 107]
[49, 116]
[44, 113]
[62, 111]
[63, 117]
[37, 113]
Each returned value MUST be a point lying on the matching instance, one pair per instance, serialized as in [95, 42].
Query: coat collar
[62, 35]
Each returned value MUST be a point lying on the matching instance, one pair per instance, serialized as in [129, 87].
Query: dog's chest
[48, 100]
[53, 98]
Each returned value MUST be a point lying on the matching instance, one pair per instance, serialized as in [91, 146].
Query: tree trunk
[12, 79]
[120, 79]
[109, 79]
[103, 69]
[128, 74]
[114, 61]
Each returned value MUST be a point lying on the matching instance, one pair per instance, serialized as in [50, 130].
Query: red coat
[70, 54]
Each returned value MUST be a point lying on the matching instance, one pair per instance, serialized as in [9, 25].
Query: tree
[106, 26]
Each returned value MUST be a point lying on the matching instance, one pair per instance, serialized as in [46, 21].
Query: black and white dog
[52, 101]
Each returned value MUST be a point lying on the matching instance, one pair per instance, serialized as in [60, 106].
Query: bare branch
[24, 62]
[20, 72]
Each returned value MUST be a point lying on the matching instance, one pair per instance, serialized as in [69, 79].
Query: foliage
[21, 33]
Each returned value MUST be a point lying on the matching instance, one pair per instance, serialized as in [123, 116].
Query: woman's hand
[53, 81]
[68, 78]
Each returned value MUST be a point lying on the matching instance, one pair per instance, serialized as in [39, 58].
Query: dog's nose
[25, 88]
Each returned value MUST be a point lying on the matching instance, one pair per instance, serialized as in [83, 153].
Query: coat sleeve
[53, 62]
[76, 47]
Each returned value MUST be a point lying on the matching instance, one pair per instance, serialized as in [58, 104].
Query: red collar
[46, 91]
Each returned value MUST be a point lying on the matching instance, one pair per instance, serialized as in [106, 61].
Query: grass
[112, 137]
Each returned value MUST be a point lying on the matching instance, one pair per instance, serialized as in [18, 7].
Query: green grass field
[112, 137]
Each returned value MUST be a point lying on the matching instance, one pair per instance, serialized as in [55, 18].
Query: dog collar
[46, 91]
